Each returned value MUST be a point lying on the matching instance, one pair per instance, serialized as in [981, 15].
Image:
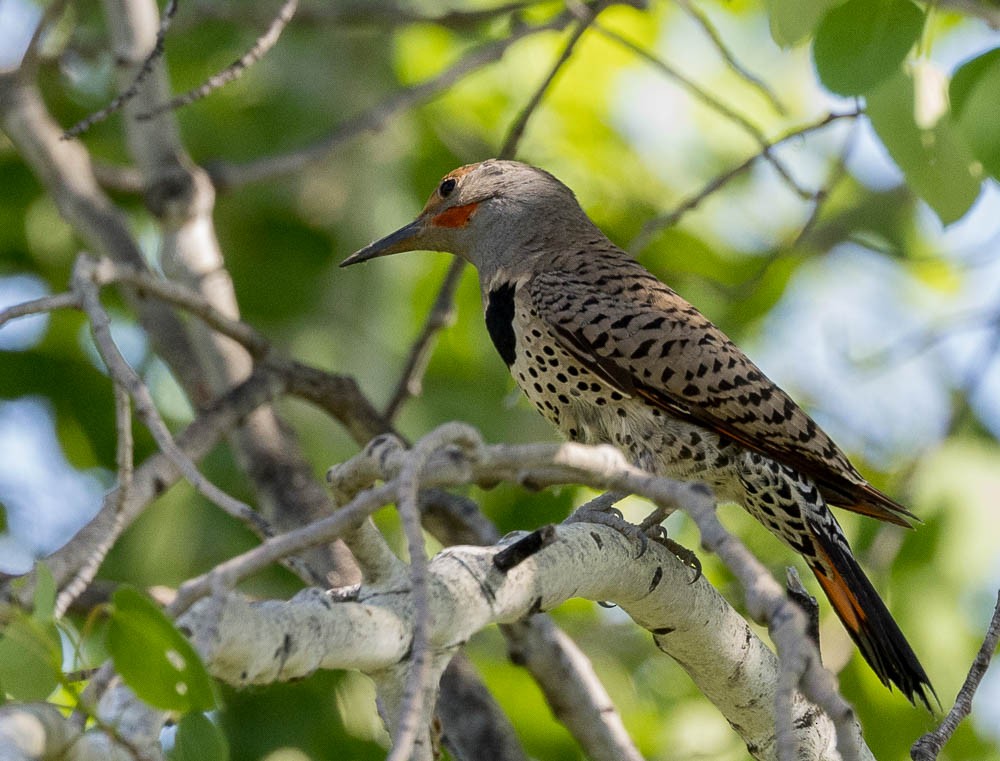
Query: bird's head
[499, 215]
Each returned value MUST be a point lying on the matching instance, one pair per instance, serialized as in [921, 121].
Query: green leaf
[937, 165]
[967, 76]
[794, 20]
[30, 659]
[863, 42]
[199, 739]
[45, 594]
[974, 94]
[155, 659]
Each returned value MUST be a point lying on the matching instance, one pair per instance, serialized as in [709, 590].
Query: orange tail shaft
[867, 620]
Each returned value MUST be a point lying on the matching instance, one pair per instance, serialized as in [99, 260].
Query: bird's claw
[658, 534]
[612, 518]
[603, 512]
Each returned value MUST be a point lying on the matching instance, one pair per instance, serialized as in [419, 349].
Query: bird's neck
[518, 252]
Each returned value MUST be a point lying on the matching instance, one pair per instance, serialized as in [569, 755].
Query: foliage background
[880, 320]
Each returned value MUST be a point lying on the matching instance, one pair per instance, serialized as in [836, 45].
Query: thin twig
[85, 284]
[925, 338]
[717, 105]
[236, 69]
[130, 92]
[442, 314]
[509, 148]
[412, 706]
[702, 20]
[106, 272]
[87, 278]
[230, 175]
[820, 197]
[383, 15]
[124, 452]
[928, 747]
[41, 305]
[338, 395]
[663, 221]
[788, 625]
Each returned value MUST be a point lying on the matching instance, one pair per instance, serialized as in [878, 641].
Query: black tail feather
[869, 622]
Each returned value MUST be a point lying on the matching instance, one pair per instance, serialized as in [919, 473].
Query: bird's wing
[642, 338]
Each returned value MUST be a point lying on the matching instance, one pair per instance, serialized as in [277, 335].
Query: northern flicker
[609, 354]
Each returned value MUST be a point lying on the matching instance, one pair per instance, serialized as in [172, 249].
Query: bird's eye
[447, 186]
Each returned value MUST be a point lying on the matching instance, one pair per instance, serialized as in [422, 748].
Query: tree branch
[766, 148]
[653, 226]
[929, 747]
[235, 70]
[226, 176]
[599, 467]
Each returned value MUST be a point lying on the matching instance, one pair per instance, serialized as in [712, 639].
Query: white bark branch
[466, 592]
[254, 643]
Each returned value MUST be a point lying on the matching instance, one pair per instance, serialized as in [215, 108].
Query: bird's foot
[604, 503]
[602, 511]
[658, 534]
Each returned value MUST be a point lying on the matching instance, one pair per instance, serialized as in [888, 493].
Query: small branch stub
[524, 548]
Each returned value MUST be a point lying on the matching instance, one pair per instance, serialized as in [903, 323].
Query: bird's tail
[867, 620]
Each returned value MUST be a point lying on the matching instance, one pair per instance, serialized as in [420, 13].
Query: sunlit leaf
[863, 42]
[155, 659]
[937, 165]
[30, 657]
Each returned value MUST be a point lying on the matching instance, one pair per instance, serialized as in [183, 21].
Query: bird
[611, 355]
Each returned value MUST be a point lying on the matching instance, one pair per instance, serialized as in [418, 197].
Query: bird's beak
[404, 239]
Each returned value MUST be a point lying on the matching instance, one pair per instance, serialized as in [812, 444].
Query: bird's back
[646, 342]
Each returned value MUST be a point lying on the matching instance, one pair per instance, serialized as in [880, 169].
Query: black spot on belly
[500, 321]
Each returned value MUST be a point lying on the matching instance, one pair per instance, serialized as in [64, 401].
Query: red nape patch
[456, 216]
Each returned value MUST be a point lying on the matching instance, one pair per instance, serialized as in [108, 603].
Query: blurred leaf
[45, 594]
[302, 714]
[863, 42]
[154, 658]
[793, 20]
[199, 739]
[30, 658]
[974, 93]
[279, 255]
[937, 165]
[423, 51]
[967, 76]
